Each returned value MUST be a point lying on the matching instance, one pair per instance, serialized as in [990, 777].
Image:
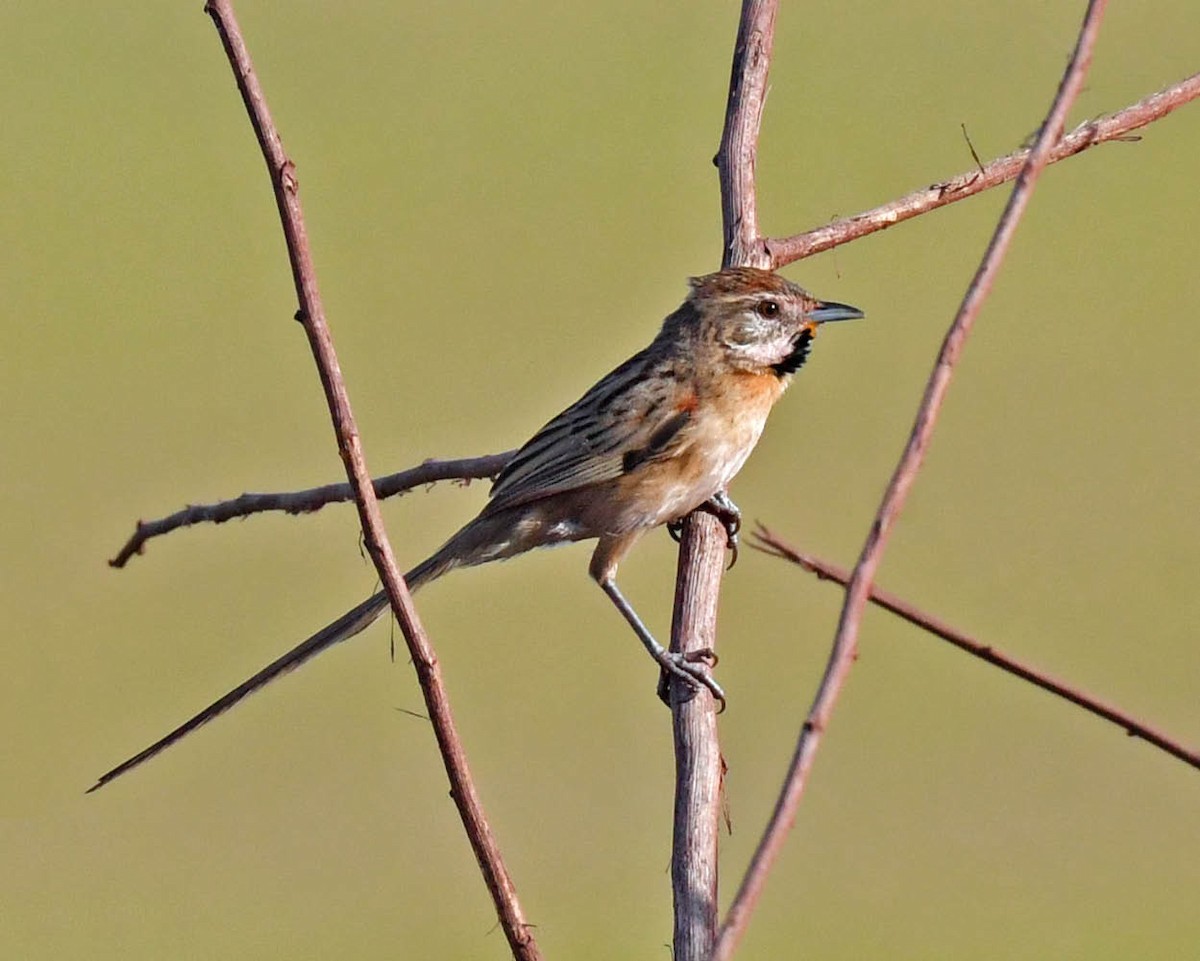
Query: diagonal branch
[845, 642]
[771, 543]
[313, 499]
[283, 179]
[1117, 126]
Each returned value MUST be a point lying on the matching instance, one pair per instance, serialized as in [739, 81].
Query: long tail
[344, 627]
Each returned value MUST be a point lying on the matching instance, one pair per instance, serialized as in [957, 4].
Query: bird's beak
[827, 311]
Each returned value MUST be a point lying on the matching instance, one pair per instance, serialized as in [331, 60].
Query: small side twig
[310, 500]
[1117, 126]
[845, 642]
[283, 180]
[971, 147]
[770, 543]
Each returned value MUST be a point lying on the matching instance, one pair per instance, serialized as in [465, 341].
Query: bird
[660, 436]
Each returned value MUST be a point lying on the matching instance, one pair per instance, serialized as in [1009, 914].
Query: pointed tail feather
[346, 626]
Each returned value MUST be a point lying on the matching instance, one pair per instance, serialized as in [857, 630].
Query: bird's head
[757, 320]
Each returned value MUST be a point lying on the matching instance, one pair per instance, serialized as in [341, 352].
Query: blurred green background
[504, 200]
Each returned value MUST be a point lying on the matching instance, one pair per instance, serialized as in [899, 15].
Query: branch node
[287, 176]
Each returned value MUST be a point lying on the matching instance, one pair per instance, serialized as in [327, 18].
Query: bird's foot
[730, 515]
[723, 509]
[695, 670]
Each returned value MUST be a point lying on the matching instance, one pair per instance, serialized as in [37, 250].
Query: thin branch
[845, 642]
[283, 179]
[310, 500]
[698, 762]
[770, 543]
[1117, 126]
[737, 158]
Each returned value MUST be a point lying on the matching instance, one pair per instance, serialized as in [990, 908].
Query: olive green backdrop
[504, 200]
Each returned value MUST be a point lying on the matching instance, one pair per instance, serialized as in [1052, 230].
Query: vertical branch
[698, 764]
[845, 642]
[312, 314]
[737, 158]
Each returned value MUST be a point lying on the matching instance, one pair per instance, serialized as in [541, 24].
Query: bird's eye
[767, 308]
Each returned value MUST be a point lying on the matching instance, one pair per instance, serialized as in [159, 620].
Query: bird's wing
[636, 415]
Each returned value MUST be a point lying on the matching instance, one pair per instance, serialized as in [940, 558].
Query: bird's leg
[693, 668]
[723, 509]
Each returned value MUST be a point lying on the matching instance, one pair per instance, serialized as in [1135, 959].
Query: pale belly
[698, 474]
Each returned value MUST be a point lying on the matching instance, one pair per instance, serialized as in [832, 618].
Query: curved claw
[705, 655]
[730, 516]
[727, 512]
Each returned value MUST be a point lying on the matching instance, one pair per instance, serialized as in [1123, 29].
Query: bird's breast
[719, 441]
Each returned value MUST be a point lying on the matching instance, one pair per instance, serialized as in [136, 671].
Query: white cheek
[764, 353]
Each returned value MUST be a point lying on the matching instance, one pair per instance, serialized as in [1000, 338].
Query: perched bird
[659, 437]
